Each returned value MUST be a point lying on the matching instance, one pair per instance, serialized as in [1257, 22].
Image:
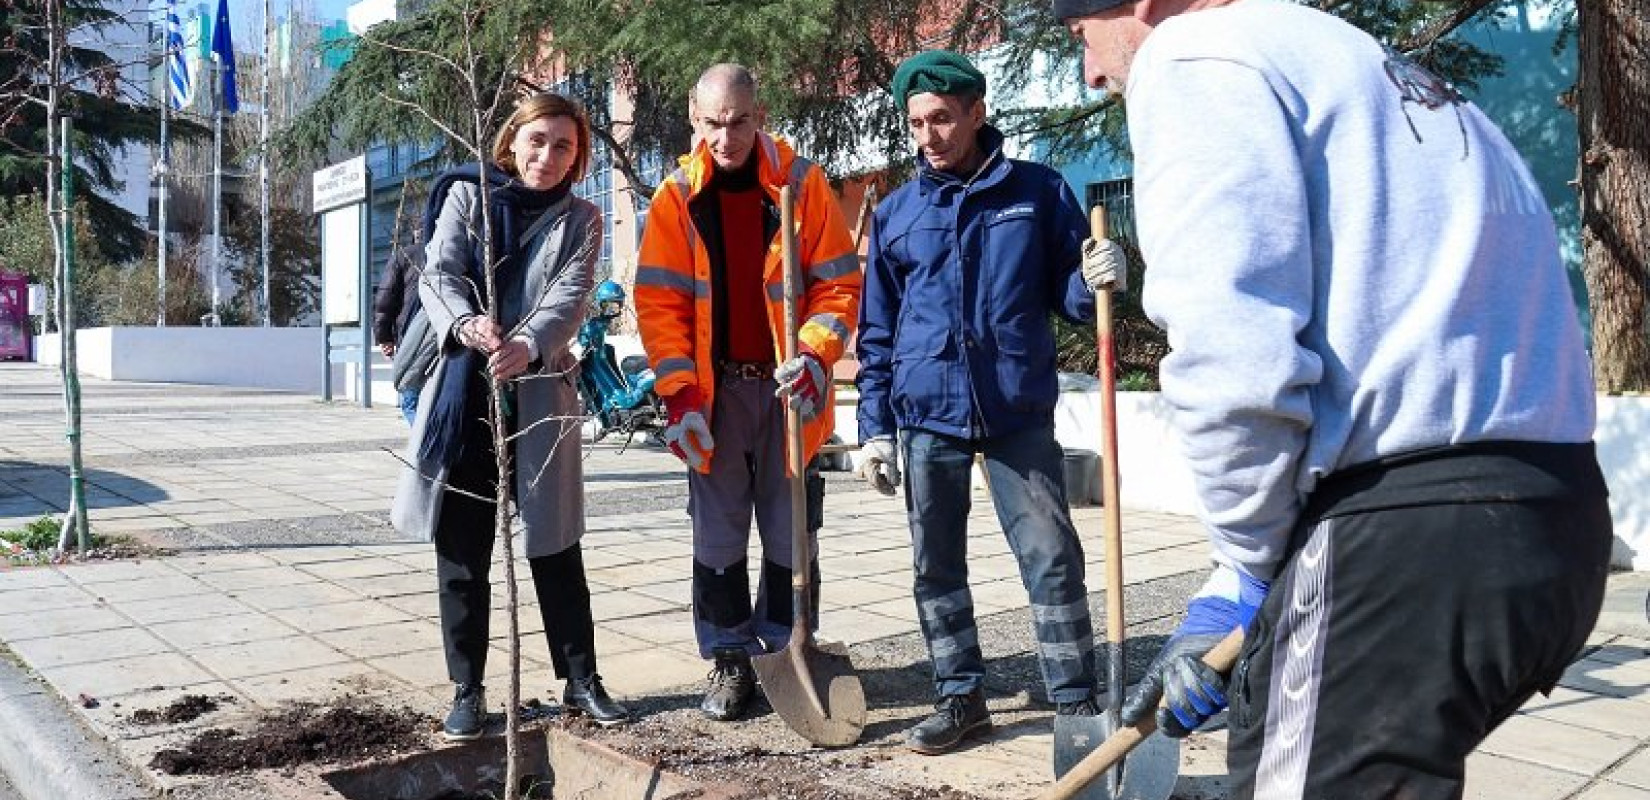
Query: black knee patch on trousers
[816, 498]
[776, 584]
[722, 597]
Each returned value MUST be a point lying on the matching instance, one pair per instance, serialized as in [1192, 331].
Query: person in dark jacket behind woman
[956, 354]
[393, 305]
[545, 245]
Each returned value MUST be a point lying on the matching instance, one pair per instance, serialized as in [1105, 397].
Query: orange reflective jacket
[673, 273]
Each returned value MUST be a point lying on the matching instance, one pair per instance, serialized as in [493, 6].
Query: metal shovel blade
[1149, 771]
[814, 689]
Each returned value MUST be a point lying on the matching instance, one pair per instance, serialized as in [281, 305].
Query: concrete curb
[48, 754]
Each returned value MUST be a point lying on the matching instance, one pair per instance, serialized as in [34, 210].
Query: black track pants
[1398, 638]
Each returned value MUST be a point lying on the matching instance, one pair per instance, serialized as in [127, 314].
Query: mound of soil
[187, 708]
[301, 733]
[673, 742]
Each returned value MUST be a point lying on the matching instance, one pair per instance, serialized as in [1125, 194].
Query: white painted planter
[1154, 477]
[1623, 429]
[287, 359]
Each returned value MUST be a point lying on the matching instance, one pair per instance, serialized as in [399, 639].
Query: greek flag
[177, 60]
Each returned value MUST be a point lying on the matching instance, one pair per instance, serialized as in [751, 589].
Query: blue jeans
[1027, 481]
[409, 405]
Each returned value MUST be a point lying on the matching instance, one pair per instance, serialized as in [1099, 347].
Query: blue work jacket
[955, 335]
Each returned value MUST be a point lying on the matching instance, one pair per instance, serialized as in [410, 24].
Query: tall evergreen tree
[825, 65]
[108, 115]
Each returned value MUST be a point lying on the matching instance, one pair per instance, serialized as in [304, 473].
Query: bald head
[725, 114]
[723, 79]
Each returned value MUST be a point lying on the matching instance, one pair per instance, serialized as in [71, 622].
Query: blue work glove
[1178, 686]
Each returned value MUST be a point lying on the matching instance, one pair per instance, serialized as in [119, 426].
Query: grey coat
[558, 286]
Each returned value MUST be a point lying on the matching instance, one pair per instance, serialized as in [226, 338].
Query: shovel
[813, 688]
[1150, 774]
[1126, 739]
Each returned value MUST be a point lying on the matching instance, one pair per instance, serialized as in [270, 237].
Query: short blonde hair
[532, 109]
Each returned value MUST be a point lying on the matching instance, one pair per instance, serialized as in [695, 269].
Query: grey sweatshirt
[1350, 261]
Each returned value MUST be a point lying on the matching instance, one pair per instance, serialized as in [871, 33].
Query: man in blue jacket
[956, 352]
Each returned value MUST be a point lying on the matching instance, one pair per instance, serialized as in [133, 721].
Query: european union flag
[223, 47]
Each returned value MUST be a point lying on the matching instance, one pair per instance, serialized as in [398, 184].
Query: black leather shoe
[956, 717]
[587, 696]
[732, 681]
[469, 713]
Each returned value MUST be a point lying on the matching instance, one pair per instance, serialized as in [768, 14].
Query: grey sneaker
[469, 713]
[1082, 708]
[956, 717]
[732, 682]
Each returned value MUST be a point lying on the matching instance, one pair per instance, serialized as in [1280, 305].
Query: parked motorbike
[618, 395]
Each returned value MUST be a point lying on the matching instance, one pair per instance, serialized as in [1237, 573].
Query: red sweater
[744, 251]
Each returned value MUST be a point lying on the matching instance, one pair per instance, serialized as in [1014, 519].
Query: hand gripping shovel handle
[1128, 737]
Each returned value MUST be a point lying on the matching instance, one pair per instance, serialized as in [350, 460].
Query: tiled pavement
[288, 584]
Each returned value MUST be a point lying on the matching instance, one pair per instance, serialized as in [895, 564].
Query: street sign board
[340, 184]
[341, 265]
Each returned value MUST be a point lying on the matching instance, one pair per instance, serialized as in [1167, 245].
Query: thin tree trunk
[1614, 121]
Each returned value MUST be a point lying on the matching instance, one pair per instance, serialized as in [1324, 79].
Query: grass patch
[40, 534]
[36, 543]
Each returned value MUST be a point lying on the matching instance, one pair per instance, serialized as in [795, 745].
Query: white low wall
[1623, 430]
[287, 359]
[1155, 478]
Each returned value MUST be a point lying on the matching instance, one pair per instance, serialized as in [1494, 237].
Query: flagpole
[217, 183]
[263, 172]
[162, 168]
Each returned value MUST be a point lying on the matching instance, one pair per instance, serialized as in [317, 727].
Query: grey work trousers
[747, 478]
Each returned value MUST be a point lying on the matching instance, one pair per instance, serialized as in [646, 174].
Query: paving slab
[1606, 790]
[1493, 777]
[1633, 771]
[1549, 743]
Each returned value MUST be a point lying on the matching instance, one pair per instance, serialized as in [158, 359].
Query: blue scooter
[619, 396]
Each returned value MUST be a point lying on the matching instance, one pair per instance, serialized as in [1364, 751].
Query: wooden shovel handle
[1095, 764]
[1110, 482]
[801, 545]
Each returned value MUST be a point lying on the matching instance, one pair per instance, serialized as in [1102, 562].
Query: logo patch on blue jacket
[1022, 210]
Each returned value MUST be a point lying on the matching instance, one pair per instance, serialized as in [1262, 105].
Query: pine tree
[108, 114]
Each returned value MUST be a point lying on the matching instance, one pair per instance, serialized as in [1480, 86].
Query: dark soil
[755, 772]
[187, 708]
[301, 733]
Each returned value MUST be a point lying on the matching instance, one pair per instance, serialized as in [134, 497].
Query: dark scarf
[513, 209]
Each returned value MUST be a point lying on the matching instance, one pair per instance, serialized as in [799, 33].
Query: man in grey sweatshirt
[1379, 380]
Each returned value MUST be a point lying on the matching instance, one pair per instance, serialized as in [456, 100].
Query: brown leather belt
[746, 370]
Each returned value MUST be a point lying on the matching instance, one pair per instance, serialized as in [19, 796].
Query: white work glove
[689, 438]
[879, 464]
[1105, 264]
[802, 382]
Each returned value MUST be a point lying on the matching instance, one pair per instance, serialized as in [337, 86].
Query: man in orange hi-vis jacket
[710, 303]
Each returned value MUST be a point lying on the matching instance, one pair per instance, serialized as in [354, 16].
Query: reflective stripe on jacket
[673, 277]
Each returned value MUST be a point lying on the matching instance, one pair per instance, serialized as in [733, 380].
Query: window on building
[1118, 198]
[597, 187]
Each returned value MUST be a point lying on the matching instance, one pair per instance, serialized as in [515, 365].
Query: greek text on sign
[341, 184]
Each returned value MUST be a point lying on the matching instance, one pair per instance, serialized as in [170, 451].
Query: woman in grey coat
[545, 245]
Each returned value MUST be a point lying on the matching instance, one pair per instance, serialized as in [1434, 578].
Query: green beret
[937, 71]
